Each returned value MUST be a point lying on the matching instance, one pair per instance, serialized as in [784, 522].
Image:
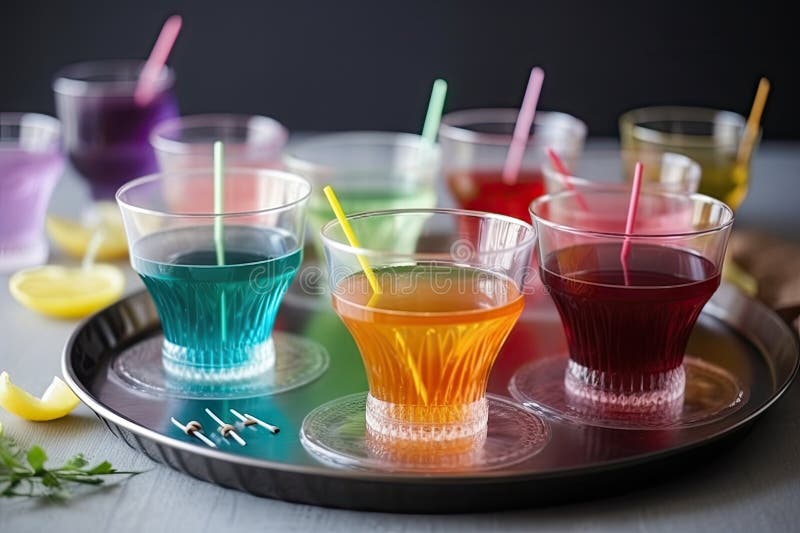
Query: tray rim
[713, 309]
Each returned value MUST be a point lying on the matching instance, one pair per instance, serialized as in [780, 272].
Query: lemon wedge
[57, 401]
[67, 292]
[74, 237]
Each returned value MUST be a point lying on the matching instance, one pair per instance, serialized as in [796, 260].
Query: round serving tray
[734, 332]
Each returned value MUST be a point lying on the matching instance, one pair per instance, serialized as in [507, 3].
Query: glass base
[638, 393]
[297, 361]
[337, 434]
[261, 358]
[13, 259]
[710, 393]
[437, 423]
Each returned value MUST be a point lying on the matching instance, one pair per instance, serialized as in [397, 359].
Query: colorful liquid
[628, 333]
[720, 177]
[431, 338]
[484, 190]
[216, 317]
[107, 138]
[356, 200]
[26, 180]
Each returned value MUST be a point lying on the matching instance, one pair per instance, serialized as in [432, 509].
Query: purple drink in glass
[30, 164]
[106, 133]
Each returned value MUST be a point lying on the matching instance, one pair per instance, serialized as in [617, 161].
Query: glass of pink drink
[31, 161]
[251, 142]
[627, 325]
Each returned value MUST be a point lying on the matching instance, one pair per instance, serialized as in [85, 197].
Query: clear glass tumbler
[31, 161]
[475, 144]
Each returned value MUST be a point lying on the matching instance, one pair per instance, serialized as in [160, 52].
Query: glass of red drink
[626, 325]
[474, 146]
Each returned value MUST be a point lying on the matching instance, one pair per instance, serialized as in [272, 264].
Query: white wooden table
[753, 486]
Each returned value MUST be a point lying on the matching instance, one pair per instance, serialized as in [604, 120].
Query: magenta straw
[632, 206]
[146, 88]
[562, 169]
[522, 129]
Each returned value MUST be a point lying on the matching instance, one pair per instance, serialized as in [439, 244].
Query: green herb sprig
[23, 473]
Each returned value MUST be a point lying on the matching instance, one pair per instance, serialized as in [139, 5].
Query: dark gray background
[346, 64]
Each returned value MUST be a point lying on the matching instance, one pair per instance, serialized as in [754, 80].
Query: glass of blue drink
[31, 162]
[217, 277]
[106, 130]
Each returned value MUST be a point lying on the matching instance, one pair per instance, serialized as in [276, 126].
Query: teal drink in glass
[189, 289]
[217, 297]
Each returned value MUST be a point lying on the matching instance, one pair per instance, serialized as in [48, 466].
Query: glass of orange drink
[428, 322]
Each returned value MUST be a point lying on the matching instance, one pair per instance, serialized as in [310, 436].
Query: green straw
[435, 108]
[218, 203]
[219, 237]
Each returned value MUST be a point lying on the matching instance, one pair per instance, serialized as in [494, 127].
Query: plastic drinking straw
[351, 238]
[146, 87]
[632, 206]
[753, 120]
[562, 169]
[91, 250]
[434, 114]
[522, 129]
[219, 228]
[373, 281]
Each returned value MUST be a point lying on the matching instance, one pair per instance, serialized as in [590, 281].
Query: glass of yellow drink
[428, 323]
[709, 136]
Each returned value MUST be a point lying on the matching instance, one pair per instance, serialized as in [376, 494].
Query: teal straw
[435, 108]
[219, 236]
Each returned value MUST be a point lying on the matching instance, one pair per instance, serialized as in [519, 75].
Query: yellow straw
[373, 281]
[753, 121]
[351, 238]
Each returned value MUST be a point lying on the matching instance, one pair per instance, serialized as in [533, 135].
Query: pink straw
[146, 88]
[632, 206]
[522, 130]
[561, 168]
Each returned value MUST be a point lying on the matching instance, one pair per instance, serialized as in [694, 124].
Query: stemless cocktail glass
[186, 143]
[664, 172]
[30, 164]
[475, 144]
[217, 280]
[429, 339]
[250, 141]
[370, 171]
[106, 132]
[627, 324]
[709, 136]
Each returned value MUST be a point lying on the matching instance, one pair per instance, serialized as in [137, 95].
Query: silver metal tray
[734, 332]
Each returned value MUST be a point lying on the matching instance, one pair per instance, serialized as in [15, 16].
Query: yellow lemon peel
[56, 402]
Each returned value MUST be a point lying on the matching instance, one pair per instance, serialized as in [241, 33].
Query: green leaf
[17, 479]
[50, 480]
[103, 468]
[37, 458]
[76, 463]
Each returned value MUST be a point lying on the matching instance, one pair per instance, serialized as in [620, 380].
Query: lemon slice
[67, 292]
[57, 401]
[74, 237]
